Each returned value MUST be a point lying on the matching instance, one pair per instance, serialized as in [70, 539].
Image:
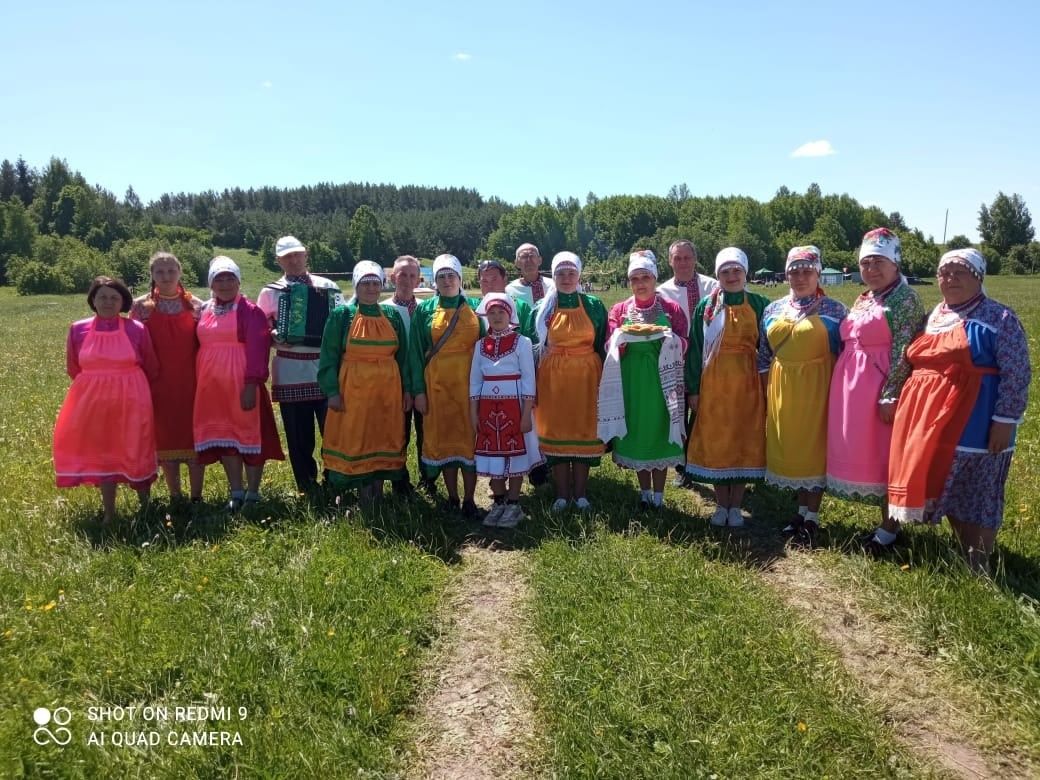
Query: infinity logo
[44, 736]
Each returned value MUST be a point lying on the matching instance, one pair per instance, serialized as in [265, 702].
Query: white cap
[566, 259]
[447, 263]
[222, 265]
[972, 258]
[881, 242]
[642, 261]
[286, 245]
[731, 255]
[366, 269]
[498, 299]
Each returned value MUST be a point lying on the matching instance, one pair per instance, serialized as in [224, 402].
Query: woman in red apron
[105, 432]
[170, 314]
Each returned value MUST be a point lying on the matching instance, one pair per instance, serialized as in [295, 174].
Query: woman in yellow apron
[444, 332]
[800, 339]
[571, 328]
[361, 369]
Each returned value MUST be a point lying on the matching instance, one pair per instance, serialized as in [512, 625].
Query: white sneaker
[511, 516]
[492, 518]
[583, 504]
[720, 517]
[736, 517]
[559, 504]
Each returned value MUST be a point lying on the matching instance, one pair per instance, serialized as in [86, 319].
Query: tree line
[57, 231]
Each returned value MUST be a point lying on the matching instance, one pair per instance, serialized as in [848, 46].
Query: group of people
[877, 403]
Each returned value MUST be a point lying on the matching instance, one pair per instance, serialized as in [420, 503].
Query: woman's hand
[887, 413]
[693, 401]
[1000, 436]
[420, 404]
[336, 403]
[406, 401]
[248, 398]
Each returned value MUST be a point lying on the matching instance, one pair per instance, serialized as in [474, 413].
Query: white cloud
[814, 149]
[461, 56]
[266, 84]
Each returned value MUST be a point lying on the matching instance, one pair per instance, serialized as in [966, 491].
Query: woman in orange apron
[443, 335]
[361, 370]
[170, 313]
[572, 329]
[105, 432]
[727, 447]
[955, 424]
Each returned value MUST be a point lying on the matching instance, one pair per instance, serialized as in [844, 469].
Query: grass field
[662, 651]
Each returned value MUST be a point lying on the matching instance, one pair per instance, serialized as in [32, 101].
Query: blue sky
[925, 105]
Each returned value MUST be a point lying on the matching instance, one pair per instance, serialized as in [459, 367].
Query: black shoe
[539, 476]
[234, 506]
[428, 486]
[645, 506]
[873, 547]
[794, 525]
[402, 487]
[470, 511]
[806, 535]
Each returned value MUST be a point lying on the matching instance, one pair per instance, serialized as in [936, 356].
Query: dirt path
[477, 722]
[899, 680]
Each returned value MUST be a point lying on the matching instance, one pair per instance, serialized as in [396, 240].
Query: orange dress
[568, 388]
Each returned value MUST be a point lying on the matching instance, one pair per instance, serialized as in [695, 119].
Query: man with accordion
[297, 306]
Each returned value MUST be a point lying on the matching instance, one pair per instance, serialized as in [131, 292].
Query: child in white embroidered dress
[501, 392]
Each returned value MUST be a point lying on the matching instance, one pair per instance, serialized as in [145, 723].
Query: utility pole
[945, 222]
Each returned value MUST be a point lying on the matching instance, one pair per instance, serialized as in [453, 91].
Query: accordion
[303, 311]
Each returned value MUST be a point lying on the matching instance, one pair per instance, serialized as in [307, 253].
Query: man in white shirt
[405, 277]
[294, 369]
[686, 288]
[531, 287]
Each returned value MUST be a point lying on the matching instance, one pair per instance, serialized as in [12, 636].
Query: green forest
[58, 231]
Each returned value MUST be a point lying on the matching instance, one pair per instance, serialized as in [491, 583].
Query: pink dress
[105, 431]
[857, 440]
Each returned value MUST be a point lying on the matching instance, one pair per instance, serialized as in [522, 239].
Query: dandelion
[205, 580]
[61, 591]
[802, 727]
[9, 633]
[905, 567]
[50, 605]
[331, 632]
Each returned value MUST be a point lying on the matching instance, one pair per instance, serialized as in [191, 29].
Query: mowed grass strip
[656, 662]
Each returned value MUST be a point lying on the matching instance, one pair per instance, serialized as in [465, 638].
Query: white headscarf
[498, 299]
[714, 320]
[642, 261]
[365, 269]
[223, 265]
[447, 263]
[541, 324]
[882, 242]
[972, 258]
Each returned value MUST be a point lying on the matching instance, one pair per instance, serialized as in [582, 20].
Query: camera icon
[61, 717]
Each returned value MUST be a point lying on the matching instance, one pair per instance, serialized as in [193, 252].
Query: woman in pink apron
[233, 421]
[105, 433]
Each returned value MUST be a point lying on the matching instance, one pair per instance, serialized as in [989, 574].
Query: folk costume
[641, 401]
[798, 344]
[444, 333]
[171, 326]
[870, 370]
[970, 368]
[364, 360]
[571, 330]
[501, 378]
[105, 431]
[234, 340]
[727, 442]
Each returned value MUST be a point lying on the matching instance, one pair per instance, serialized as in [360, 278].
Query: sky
[916, 107]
